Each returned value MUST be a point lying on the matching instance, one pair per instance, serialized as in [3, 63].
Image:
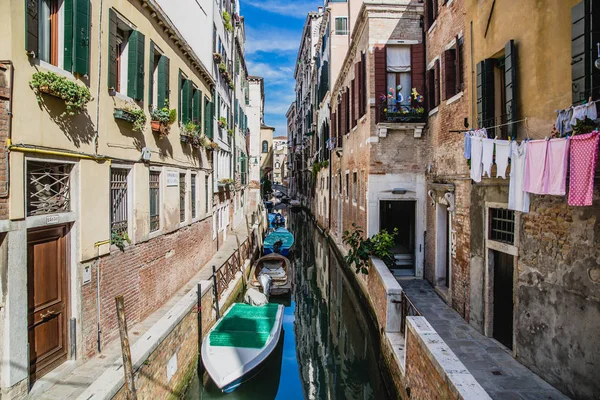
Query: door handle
[48, 314]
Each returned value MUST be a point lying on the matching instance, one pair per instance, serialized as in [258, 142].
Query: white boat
[239, 342]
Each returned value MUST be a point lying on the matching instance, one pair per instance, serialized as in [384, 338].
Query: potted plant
[212, 146]
[223, 122]
[230, 132]
[218, 58]
[188, 130]
[225, 183]
[162, 119]
[119, 239]
[227, 21]
[222, 68]
[136, 116]
[75, 96]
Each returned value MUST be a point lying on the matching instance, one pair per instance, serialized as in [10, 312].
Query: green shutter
[112, 49]
[163, 79]
[185, 101]
[151, 76]
[81, 37]
[179, 88]
[68, 35]
[485, 94]
[196, 106]
[190, 100]
[31, 26]
[135, 66]
[236, 113]
[209, 112]
[510, 87]
[218, 107]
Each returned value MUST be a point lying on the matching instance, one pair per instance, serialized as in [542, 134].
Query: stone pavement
[491, 364]
[72, 378]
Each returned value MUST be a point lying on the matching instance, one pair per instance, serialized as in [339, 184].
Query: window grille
[193, 189]
[502, 225]
[181, 197]
[118, 200]
[48, 188]
[154, 201]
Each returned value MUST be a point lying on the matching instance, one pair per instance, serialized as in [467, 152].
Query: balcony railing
[400, 113]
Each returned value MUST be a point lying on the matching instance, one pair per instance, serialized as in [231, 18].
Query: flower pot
[155, 126]
[124, 115]
[184, 138]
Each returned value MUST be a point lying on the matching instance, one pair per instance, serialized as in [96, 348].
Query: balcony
[400, 113]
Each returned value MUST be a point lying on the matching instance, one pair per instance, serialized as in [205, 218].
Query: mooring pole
[216, 292]
[200, 365]
[125, 349]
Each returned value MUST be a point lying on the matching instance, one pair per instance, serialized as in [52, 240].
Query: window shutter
[196, 106]
[235, 112]
[112, 49]
[207, 118]
[485, 94]
[81, 37]
[333, 125]
[179, 89]
[68, 35]
[417, 71]
[186, 101]
[167, 80]
[585, 33]
[31, 26]
[436, 82]
[426, 13]
[218, 107]
[135, 66]
[449, 73]
[380, 61]
[458, 64]
[347, 123]
[151, 76]
[510, 82]
[162, 80]
[353, 118]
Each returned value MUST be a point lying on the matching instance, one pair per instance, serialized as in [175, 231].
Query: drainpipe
[99, 332]
[96, 132]
[4, 193]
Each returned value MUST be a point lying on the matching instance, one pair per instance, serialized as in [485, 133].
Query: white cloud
[271, 40]
[295, 9]
[269, 71]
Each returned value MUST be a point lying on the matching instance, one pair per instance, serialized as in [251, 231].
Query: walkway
[72, 378]
[491, 364]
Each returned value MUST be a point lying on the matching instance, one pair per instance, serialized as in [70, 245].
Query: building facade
[280, 150]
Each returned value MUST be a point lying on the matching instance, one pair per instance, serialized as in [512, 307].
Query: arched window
[265, 146]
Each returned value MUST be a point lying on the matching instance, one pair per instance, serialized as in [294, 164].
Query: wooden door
[47, 299]
[503, 298]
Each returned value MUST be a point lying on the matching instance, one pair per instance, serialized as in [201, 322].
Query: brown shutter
[334, 126]
[417, 70]
[436, 81]
[339, 122]
[348, 112]
[426, 18]
[354, 101]
[380, 61]
[449, 73]
[363, 84]
[458, 65]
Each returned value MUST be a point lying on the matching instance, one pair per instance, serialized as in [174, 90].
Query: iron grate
[48, 188]
[502, 225]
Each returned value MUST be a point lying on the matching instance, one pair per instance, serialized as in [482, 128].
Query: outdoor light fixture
[597, 62]
[399, 191]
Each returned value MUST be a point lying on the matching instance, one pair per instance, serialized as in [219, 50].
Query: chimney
[320, 9]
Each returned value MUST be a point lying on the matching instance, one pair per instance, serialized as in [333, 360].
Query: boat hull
[279, 287]
[284, 251]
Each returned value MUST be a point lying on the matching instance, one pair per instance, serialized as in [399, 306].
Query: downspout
[4, 193]
[96, 132]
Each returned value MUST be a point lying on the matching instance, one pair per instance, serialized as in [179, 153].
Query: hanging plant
[227, 21]
[218, 58]
[230, 132]
[162, 119]
[223, 122]
[75, 96]
[222, 68]
[139, 121]
[119, 239]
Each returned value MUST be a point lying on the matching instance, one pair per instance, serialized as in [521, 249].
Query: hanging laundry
[535, 165]
[476, 154]
[591, 111]
[518, 199]
[502, 155]
[488, 156]
[584, 154]
[582, 111]
[467, 151]
[555, 174]
[563, 121]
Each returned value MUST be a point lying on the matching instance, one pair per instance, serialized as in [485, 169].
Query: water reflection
[328, 350]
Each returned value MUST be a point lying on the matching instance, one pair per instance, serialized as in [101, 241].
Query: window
[182, 197]
[118, 200]
[341, 25]
[265, 146]
[154, 201]
[185, 98]
[398, 76]
[431, 12]
[502, 225]
[340, 184]
[158, 93]
[354, 187]
[207, 193]
[126, 57]
[193, 190]
[58, 33]
[584, 36]
[277, 165]
[433, 85]
[347, 185]
[453, 70]
[48, 188]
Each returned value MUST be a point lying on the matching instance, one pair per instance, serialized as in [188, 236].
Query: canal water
[329, 347]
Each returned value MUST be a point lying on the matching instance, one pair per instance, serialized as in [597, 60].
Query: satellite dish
[146, 154]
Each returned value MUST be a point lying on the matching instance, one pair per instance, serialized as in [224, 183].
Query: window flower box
[124, 115]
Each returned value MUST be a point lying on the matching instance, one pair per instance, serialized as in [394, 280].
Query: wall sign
[51, 219]
[172, 178]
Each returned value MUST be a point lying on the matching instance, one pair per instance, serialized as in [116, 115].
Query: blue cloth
[467, 146]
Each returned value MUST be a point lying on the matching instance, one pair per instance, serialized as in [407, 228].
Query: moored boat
[240, 341]
[279, 241]
[278, 269]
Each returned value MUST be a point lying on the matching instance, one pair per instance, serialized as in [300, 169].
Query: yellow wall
[541, 30]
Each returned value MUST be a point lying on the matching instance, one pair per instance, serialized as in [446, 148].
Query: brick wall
[4, 129]
[146, 274]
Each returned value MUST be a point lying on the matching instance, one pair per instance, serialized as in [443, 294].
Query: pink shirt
[584, 154]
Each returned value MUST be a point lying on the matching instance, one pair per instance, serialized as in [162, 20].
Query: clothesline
[489, 127]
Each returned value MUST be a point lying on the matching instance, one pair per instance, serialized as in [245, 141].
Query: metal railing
[399, 113]
[407, 309]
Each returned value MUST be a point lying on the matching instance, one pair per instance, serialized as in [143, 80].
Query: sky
[273, 32]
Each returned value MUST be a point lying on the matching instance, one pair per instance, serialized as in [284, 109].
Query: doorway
[443, 257]
[47, 313]
[400, 214]
[503, 298]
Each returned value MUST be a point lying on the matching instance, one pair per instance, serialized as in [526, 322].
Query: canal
[329, 348]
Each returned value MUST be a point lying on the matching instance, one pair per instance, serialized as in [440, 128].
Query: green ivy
[75, 96]
[119, 239]
[361, 249]
[140, 119]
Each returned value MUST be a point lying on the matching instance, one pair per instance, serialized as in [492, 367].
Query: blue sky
[273, 31]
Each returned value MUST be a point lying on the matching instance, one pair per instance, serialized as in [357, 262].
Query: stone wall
[557, 310]
[4, 131]
[146, 274]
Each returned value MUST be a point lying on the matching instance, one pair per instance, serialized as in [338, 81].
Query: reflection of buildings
[333, 347]
[280, 160]
[266, 151]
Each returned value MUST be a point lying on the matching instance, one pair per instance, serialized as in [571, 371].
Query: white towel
[487, 158]
[476, 154]
[502, 154]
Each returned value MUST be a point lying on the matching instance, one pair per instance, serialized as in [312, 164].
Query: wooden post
[247, 225]
[216, 292]
[125, 350]
[200, 366]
